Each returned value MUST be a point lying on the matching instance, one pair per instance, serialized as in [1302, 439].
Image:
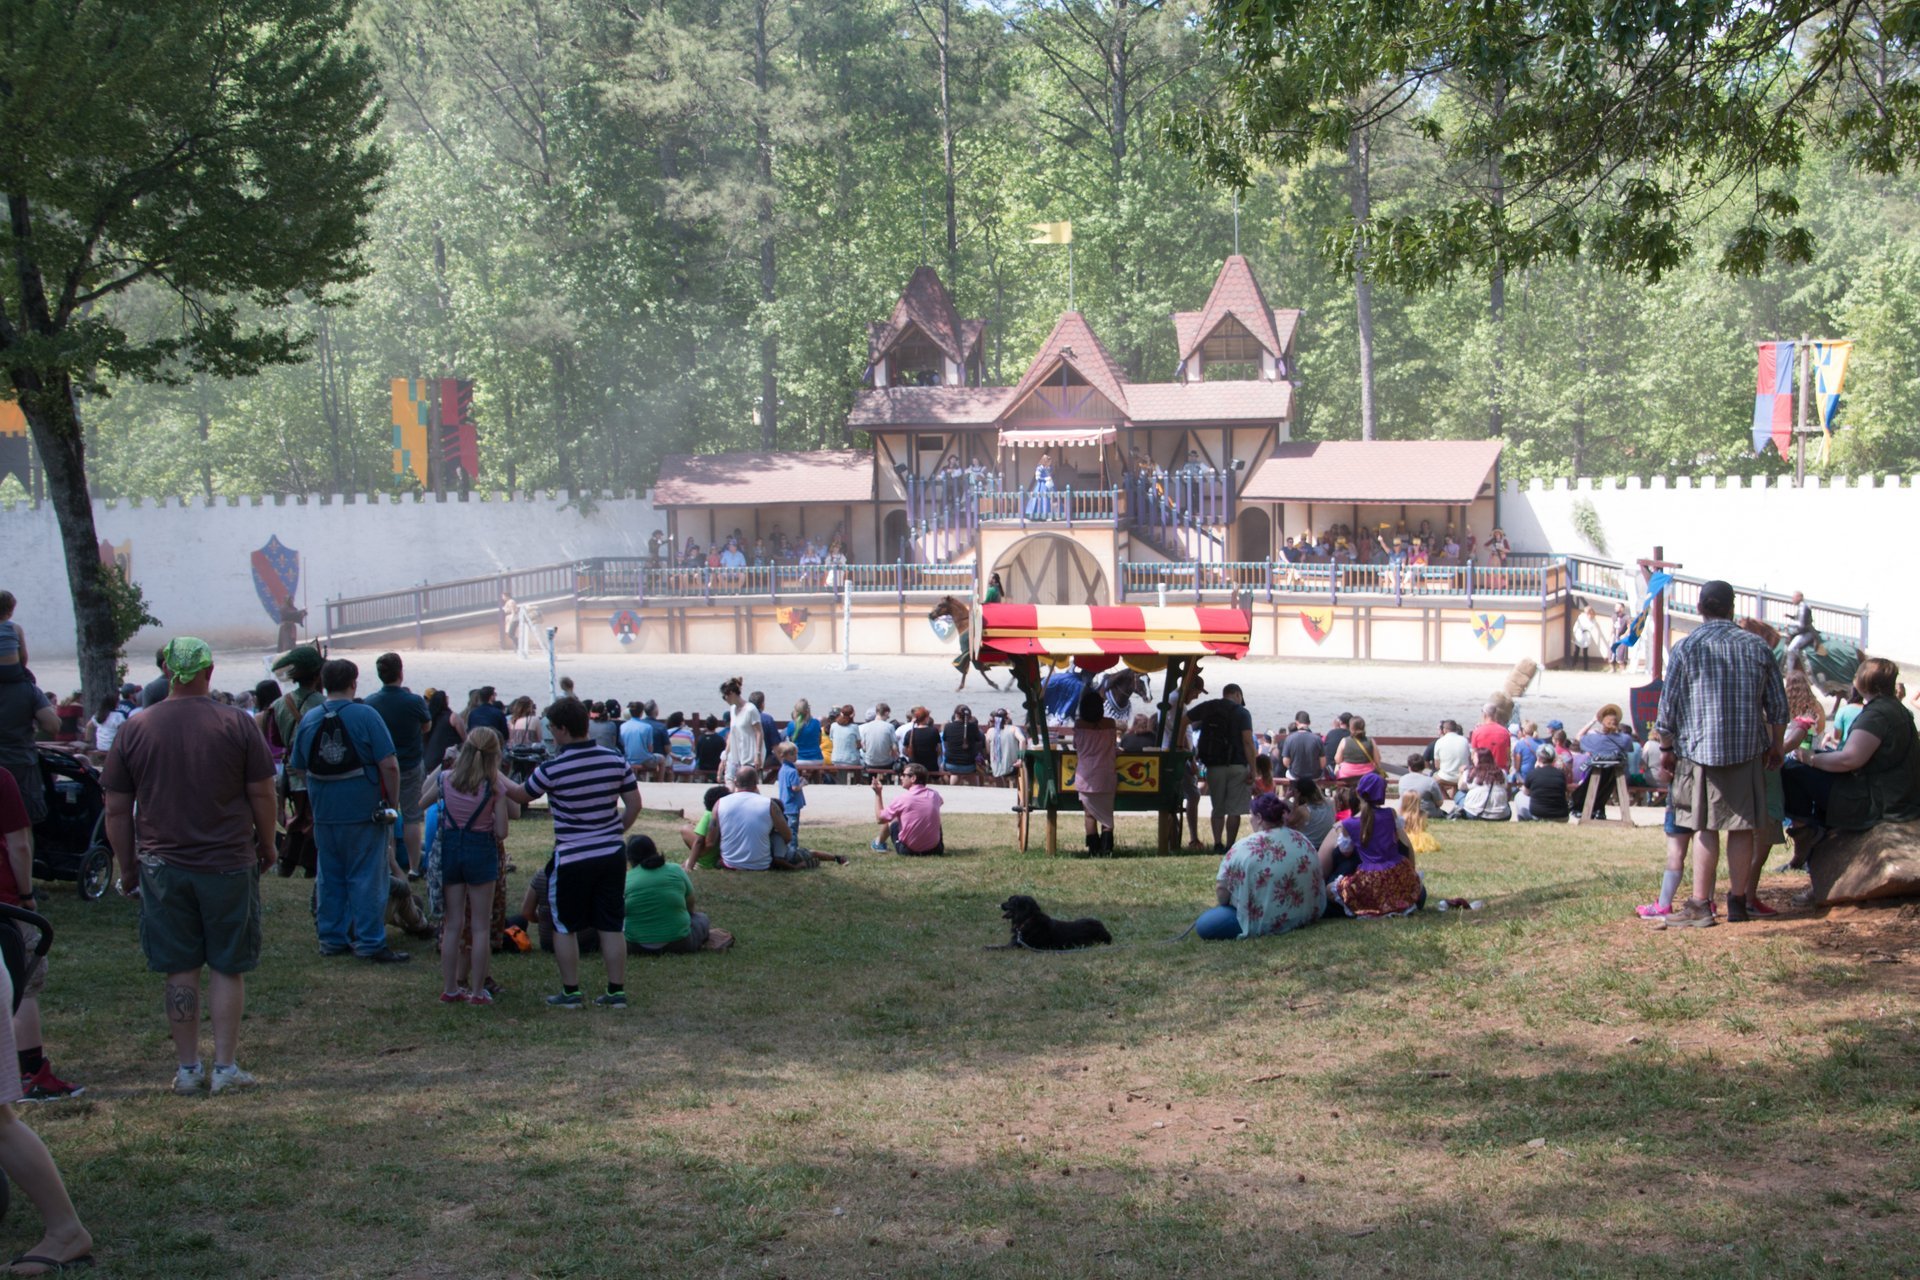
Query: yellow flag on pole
[1052, 233]
[1829, 373]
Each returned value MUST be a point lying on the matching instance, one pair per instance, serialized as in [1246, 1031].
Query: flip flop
[48, 1266]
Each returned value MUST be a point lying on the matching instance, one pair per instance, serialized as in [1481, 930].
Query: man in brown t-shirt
[195, 779]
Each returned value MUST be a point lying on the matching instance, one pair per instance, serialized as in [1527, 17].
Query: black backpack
[1216, 720]
[332, 757]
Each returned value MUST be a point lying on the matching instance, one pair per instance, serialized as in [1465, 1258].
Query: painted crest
[1488, 628]
[793, 621]
[943, 627]
[626, 626]
[1318, 622]
[276, 576]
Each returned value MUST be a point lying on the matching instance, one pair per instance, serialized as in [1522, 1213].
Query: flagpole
[1070, 305]
[1800, 427]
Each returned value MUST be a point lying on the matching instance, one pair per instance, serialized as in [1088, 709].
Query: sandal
[48, 1266]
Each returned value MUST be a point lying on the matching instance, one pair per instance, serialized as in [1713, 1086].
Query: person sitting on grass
[694, 834]
[1874, 778]
[1544, 798]
[1416, 781]
[1366, 862]
[1413, 820]
[1483, 792]
[1269, 881]
[910, 826]
[750, 830]
[661, 915]
[1317, 815]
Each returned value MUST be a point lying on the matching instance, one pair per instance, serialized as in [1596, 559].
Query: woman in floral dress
[1270, 880]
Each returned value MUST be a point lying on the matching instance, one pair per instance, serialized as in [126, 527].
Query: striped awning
[1012, 630]
[1056, 437]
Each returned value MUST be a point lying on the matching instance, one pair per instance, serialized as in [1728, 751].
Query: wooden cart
[1034, 640]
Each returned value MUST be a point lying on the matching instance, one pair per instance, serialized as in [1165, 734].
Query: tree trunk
[946, 144]
[1360, 203]
[47, 401]
[206, 434]
[763, 158]
[1497, 283]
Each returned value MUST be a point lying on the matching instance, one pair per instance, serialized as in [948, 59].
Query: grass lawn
[1541, 1088]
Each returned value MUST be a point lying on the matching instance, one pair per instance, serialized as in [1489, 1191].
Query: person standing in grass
[474, 824]
[195, 781]
[1723, 710]
[594, 799]
[791, 787]
[64, 1243]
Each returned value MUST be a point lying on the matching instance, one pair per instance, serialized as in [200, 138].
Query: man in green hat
[194, 778]
[301, 665]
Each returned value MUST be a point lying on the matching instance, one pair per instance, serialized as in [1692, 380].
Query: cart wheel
[96, 873]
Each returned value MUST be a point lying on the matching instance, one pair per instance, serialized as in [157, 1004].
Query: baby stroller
[70, 843]
[13, 952]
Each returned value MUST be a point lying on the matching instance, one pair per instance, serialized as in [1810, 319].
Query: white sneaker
[188, 1081]
[231, 1078]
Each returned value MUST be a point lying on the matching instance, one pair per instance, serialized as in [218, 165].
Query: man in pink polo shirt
[911, 823]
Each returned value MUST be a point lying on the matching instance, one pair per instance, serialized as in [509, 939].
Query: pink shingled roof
[926, 303]
[756, 479]
[1072, 343]
[874, 410]
[1235, 293]
[1379, 471]
[1155, 402]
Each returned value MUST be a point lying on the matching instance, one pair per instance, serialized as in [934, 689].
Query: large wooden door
[1049, 569]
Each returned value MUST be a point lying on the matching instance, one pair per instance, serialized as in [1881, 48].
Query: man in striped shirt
[593, 798]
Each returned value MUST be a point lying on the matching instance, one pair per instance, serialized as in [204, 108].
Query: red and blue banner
[276, 576]
[1773, 398]
[459, 446]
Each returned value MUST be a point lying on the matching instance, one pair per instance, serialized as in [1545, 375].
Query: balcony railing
[1272, 580]
[626, 578]
[1048, 506]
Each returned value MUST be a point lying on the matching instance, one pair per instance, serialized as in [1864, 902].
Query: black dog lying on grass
[1035, 930]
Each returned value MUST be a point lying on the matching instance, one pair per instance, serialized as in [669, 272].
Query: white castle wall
[1840, 541]
[1843, 541]
[192, 558]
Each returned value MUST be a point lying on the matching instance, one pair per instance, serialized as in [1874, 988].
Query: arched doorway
[893, 538]
[1255, 534]
[1048, 569]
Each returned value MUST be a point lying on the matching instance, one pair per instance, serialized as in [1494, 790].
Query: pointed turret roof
[1073, 344]
[927, 304]
[1235, 293]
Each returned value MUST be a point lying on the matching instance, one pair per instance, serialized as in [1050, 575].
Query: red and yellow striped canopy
[1008, 631]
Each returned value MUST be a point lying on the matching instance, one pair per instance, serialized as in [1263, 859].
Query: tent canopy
[1008, 631]
[1056, 437]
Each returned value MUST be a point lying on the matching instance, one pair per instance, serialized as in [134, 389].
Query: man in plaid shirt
[1722, 713]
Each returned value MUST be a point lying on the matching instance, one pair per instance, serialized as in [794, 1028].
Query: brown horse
[962, 614]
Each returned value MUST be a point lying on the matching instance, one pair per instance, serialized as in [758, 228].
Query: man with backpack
[1226, 749]
[347, 755]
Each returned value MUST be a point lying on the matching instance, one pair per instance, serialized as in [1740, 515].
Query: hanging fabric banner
[1773, 398]
[1829, 372]
[410, 417]
[459, 447]
[13, 442]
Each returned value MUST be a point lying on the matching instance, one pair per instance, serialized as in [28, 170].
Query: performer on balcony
[1040, 501]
